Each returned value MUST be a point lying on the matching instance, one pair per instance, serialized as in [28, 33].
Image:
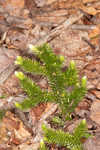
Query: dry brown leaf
[36, 113]
[25, 146]
[41, 111]
[3, 134]
[49, 2]
[12, 87]
[82, 107]
[14, 3]
[15, 141]
[40, 3]
[90, 10]
[13, 6]
[21, 133]
[98, 85]
[94, 35]
[10, 121]
[95, 32]
[95, 111]
[50, 109]
[96, 93]
[16, 127]
[89, 1]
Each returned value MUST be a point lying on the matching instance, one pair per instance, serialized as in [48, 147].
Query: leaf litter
[64, 24]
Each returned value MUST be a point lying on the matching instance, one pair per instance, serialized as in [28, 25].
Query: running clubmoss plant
[51, 66]
[42, 146]
[61, 138]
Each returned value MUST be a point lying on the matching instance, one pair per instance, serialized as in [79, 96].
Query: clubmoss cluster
[61, 138]
[51, 66]
[59, 80]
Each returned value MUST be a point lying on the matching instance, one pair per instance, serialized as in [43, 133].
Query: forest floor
[72, 28]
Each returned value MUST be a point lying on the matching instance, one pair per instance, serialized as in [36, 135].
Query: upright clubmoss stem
[19, 75]
[72, 64]
[33, 48]
[19, 60]
[84, 81]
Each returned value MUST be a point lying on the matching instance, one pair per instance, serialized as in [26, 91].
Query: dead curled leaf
[16, 127]
[95, 111]
[36, 112]
[10, 121]
[95, 32]
[13, 6]
[50, 109]
[41, 112]
[89, 1]
[21, 133]
[90, 10]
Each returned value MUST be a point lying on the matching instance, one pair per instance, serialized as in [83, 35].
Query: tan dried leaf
[95, 111]
[89, 1]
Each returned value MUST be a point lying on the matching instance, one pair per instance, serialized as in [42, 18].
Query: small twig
[89, 43]
[6, 72]
[3, 37]
[58, 30]
[83, 27]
